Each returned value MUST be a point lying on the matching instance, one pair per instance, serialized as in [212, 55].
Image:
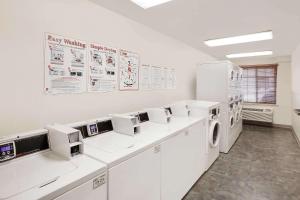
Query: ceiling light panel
[267, 35]
[250, 54]
[149, 3]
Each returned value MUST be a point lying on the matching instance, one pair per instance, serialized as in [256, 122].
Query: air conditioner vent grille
[258, 114]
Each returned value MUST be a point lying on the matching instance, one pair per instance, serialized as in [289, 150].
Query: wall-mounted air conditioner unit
[259, 114]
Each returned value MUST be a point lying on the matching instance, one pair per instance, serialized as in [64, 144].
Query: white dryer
[210, 110]
[30, 170]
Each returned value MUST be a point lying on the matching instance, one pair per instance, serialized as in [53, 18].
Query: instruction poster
[129, 70]
[156, 77]
[171, 79]
[145, 77]
[65, 65]
[164, 77]
[102, 68]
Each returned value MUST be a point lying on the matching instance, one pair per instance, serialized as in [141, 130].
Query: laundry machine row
[151, 145]
[110, 158]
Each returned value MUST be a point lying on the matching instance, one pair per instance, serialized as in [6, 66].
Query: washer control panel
[7, 151]
[92, 129]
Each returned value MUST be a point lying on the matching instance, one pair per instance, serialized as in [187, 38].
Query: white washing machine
[133, 163]
[211, 110]
[30, 170]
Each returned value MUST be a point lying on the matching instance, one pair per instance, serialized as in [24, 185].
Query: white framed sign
[128, 70]
[65, 65]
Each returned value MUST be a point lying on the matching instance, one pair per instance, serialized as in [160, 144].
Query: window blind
[259, 83]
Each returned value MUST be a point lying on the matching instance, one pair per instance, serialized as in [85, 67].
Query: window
[260, 83]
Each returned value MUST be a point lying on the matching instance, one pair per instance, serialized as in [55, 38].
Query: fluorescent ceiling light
[149, 3]
[252, 54]
[268, 35]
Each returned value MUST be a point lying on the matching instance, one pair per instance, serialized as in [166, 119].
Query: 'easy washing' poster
[65, 65]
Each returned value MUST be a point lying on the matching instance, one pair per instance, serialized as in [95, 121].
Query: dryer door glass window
[216, 133]
[231, 121]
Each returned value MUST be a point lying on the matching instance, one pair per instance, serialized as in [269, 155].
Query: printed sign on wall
[145, 77]
[156, 78]
[102, 68]
[65, 65]
[129, 70]
[171, 79]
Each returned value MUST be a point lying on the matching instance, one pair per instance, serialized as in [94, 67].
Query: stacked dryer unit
[221, 81]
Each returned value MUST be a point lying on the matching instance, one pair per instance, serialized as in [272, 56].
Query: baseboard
[295, 135]
[267, 124]
[257, 123]
[282, 126]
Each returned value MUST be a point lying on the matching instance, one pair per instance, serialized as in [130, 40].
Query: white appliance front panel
[183, 162]
[137, 178]
[95, 189]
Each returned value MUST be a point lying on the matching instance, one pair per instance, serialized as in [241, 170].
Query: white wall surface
[283, 107]
[24, 106]
[296, 87]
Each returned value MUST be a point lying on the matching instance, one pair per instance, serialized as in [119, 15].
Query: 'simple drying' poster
[129, 70]
[65, 65]
[102, 68]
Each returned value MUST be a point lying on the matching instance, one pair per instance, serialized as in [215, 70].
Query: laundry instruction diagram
[77, 66]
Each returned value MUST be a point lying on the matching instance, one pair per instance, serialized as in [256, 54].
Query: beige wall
[296, 88]
[24, 106]
[282, 110]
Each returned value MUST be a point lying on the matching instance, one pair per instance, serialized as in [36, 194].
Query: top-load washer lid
[202, 104]
[45, 175]
[111, 142]
[33, 171]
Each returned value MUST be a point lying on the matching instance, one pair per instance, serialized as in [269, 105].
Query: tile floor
[264, 164]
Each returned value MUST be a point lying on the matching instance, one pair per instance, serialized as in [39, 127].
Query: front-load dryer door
[214, 133]
[231, 121]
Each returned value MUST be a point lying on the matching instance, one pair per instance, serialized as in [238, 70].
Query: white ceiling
[193, 21]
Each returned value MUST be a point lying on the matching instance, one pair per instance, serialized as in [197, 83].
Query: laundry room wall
[283, 107]
[296, 87]
[25, 106]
